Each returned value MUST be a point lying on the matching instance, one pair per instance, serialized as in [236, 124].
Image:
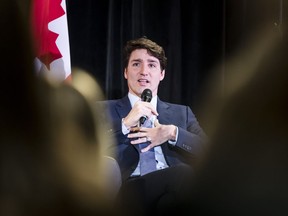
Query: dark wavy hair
[144, 43]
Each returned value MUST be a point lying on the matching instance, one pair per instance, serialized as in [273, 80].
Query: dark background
[197, 35]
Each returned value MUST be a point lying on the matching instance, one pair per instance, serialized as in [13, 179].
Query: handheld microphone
[146, 96]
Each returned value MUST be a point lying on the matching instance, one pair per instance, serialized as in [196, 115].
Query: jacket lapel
[123, 107]
[162, 108]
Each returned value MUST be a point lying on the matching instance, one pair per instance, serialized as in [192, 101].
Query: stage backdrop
[197, 35]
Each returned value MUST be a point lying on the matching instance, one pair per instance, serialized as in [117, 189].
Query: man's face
[143, 71]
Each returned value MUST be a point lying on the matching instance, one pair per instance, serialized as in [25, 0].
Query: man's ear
[125, 73]
[162, 75]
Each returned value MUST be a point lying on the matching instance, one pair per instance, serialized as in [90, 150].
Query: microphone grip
[142, 120]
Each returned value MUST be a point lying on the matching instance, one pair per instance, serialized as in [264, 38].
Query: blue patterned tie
[147, 159]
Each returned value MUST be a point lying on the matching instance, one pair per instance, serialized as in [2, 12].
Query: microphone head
[146, 95]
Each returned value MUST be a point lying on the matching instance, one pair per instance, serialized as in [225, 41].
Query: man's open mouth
[143, 80]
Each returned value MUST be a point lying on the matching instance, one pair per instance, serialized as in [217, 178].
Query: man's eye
[152, 65]
[135, 64]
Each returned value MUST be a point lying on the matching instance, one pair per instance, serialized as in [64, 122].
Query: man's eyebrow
[149, 60]
[137, 60]
[153, 60]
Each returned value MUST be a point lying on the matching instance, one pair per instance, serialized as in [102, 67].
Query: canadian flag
[51, 39]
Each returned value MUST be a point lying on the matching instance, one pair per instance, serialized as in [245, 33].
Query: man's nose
[144, 70]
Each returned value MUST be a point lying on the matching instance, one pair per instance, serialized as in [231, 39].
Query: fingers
[139, 109]
[139, 137]
[145, 108]
[153, 110]
[138, 141]
[146, 148]
[156, 123]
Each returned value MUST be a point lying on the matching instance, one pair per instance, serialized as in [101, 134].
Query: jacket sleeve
[191, 137]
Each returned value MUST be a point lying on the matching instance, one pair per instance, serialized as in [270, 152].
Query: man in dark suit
[175, 138]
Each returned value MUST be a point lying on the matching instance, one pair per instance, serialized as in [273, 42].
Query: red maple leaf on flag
[43, 12]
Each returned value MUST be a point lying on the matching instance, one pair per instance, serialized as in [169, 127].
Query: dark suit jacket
[190, 135]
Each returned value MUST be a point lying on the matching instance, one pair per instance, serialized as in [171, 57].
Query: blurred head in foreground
[51, 140]
[244, 170]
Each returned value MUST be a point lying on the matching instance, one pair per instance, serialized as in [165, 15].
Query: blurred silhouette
[244, 169]
[52, 142]
[91, 90]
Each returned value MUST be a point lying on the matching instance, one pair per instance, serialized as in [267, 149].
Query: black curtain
[197, 35]
[189, 31]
